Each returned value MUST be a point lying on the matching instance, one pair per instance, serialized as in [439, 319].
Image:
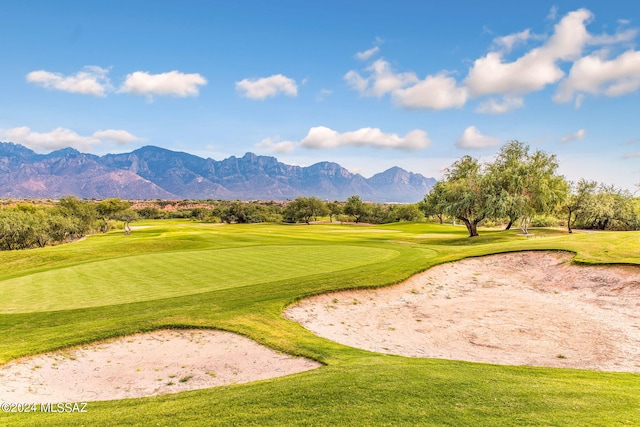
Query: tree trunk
[569, 222]
[439, 217]
[508, 227]
[472, 227]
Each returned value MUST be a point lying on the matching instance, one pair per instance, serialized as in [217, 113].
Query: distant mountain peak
[64, 152]
[152, 172]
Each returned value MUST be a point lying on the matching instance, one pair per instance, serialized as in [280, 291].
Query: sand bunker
[160, 362]
[527, 308]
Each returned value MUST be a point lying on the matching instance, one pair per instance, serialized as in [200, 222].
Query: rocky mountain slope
[151, 172]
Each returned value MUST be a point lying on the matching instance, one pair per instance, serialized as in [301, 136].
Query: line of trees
[300, 210]
[518, 185]
[27, 226]
[514, 188]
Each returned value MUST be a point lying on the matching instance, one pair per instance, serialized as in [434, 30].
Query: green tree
[609, 208]
[109, 209]
[466, 193]
[127, 216]
[335, 209]
[523, 184]
[82, 212]
[409, 212]
[434, 202]
[304, 209]
[150, 212]
[355, 207]
[200, 214]
[15, 229]
[578, 199]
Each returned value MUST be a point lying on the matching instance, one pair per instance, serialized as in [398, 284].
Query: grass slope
[243, 276]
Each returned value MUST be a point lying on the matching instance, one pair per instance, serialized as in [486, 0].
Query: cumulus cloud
[322, 137]
[91, 80]
[356, 81]
[537, 68]
[618, 37]
[174, 83]
[266, 87]
[493, 106]
[507, 42]
[472, 138]
[595, 75]
[273, 144]
[364, 55]
[434, 92]
[574, 136]
[382, 79]
[509, 80]
[62, 137]
[120, 137]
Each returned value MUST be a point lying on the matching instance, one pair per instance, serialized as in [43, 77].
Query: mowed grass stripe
[156, 276]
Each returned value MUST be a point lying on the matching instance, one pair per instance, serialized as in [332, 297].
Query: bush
[544, 221]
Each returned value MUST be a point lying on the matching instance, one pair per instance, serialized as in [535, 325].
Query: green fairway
[156, 276]
[240, 277]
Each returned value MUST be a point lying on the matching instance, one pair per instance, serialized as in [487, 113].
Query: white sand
[527, 308]
[160, 362]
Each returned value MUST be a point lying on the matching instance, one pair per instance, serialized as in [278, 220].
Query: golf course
[180, 278]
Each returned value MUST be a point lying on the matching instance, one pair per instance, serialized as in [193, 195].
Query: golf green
[164, 275]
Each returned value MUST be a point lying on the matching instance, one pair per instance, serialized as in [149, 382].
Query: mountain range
[156, 173]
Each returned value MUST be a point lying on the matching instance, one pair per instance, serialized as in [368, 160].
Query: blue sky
[367, 84]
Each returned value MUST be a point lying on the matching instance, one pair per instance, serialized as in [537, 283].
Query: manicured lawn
[240, 277]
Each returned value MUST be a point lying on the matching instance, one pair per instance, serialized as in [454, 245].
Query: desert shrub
[544, 221]
[150, 212]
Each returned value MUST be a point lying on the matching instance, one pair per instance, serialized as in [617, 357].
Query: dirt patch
[526, 308]
[160, 362]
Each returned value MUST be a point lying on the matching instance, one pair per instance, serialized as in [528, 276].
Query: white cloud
[618, 37]
[356, 81]
[173, 83]
[507, 42]
[494, 74]
[272, 144]
[537, 68]
[472, 138]
[91, 80]
[553, 13]
[598, 76]
[493, 106]
[576, 136]
[322, 137]
[62, 137]
[48, 141]
[364, 55]
[267, 87]
[632, 155]
[382, 79]
[323, 94]
[435, 92]
[121, 137]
